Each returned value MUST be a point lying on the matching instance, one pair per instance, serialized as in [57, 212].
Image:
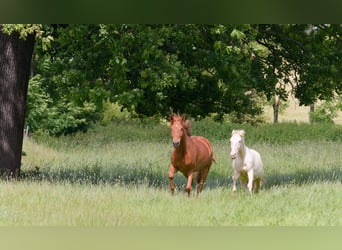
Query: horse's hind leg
[201, 177]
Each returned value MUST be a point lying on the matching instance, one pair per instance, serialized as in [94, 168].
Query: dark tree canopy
[194, 69]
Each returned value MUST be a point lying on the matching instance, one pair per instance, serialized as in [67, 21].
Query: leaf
[237, 34]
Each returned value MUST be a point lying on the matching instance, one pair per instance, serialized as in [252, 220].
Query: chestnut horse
[191, 154]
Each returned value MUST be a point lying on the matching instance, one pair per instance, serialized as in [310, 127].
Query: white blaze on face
[176, 132]
[235, 143]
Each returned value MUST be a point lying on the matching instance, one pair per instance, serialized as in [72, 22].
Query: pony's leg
[171, 174]
[250, 174]
[243, 180]
[256, 185]
[189, 183]
[243, 184]
[235, 177]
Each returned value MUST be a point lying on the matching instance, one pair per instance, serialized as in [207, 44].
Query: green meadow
[116, 175]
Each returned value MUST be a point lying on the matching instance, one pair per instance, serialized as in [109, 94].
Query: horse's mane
[187, 127]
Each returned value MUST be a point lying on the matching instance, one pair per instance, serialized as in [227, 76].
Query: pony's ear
[242, 133]
[233, 131]
[183, 117]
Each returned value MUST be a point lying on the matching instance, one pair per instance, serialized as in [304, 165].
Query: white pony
[247, 163]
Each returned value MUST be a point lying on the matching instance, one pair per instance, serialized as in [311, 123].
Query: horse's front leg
[250, 174]
[189, 183]
[235, 177]
[171, 174]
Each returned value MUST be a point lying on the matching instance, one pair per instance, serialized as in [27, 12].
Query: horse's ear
[233, 131]
[183, 117]
[171, 118]
[242, 133]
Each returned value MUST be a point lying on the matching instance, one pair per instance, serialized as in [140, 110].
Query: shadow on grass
[153, 177]
[298, 178]
[96, 175]
[150, 176]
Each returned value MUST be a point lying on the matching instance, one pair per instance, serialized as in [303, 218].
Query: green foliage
[37, 104]
[53, 118]
[113, 111]
[24, 30]
[326, 112]
[150, 70]
[68, 118]
[304, 56]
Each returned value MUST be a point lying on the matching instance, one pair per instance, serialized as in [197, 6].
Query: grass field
[117, 175]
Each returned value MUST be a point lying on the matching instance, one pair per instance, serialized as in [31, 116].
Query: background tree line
[194, 69]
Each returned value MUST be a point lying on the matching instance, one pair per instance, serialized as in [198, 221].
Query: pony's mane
[239, 132]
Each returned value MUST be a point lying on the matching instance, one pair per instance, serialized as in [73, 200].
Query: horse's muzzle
[176, 144]
[233, 156]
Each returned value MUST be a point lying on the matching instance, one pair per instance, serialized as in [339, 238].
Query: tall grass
[117, 175]
[65, 204]
[281, 133]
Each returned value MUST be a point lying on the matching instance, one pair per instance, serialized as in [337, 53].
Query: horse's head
[235, 142]
[178, 128]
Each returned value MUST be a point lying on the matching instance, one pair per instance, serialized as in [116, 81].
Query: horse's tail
[262, 181]
[213, 157]
[211, 152]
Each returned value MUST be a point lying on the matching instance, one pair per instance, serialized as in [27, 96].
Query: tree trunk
[15, 62]
[312, 109]
[276, 105]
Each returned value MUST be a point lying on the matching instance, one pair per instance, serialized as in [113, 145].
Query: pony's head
[236, 140]
[178, 128]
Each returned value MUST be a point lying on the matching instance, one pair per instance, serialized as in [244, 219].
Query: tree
[320, 69]
[193, 69]
[148, 69]
[302, 60]
[15, 60]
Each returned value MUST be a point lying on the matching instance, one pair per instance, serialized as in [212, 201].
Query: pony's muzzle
[176, 144]
[233, 155]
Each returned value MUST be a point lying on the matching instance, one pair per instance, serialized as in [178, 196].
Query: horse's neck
[186, 143]
[242, 150]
